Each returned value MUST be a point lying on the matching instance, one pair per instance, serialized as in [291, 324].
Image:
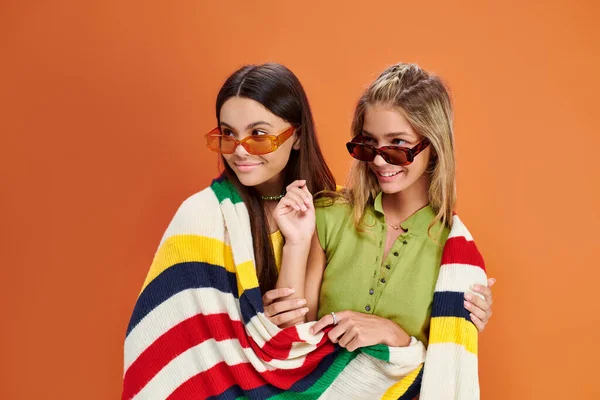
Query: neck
[272, 187]
[401, 205]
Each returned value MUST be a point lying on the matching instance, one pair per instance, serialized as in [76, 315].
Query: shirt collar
[416, 224]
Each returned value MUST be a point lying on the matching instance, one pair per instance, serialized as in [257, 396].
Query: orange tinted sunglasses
[255, 144]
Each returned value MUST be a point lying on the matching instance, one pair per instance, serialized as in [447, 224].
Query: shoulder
[205, 198]
[197, 215]
[331, 209]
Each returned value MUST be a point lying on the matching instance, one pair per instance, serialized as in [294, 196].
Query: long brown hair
[424, 101]
[278, 90]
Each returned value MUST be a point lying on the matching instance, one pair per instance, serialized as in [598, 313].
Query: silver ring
[335, 321]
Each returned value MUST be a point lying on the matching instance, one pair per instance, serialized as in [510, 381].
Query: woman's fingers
[275, 294]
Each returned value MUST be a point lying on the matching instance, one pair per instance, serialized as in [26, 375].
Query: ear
[296, 145]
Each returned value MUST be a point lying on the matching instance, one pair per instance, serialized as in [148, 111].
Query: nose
[240, 151]
[379, 161]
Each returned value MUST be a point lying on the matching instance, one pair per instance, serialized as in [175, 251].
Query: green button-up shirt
[357, 277]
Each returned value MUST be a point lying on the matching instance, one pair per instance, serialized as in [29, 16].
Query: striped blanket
[198, 330]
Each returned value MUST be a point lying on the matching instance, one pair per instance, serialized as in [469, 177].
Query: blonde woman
[376, 254]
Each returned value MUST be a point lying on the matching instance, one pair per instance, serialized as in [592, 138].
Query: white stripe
[459, 229]
[261, 329]
[450, 373]
[369, 378]
[201, 358]
[460, 278]
[173, 311]
[192, 362]
[191, 302]
[199, 215]
[237, 223]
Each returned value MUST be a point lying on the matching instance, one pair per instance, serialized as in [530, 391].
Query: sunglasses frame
[410, 153]
[276, 140]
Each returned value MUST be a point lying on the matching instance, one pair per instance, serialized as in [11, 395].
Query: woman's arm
[314, 276]
[310, 275]
[295, 217]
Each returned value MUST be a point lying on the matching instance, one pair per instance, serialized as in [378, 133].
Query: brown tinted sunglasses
[396, 155]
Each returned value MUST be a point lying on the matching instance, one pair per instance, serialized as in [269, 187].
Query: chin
[393, 187]
[249, 180]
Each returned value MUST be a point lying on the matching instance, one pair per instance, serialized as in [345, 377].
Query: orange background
[102, 108]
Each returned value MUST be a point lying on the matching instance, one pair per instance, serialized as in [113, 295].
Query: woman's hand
[280, 310]
[355, 330]
[480, 309]
[295, 214]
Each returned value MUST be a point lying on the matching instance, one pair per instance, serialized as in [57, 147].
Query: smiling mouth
[387, 174]
[246, 167]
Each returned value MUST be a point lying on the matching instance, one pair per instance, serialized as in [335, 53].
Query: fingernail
[301, 302]
[468, 296]
[290, 290]
[307, 200]
[304, 208]
[475, 288]
[467, 305]
[311, 331]
[493, 280]
[472, 316]
[304, 310]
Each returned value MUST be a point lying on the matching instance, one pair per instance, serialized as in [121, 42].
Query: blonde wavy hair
[424, 101]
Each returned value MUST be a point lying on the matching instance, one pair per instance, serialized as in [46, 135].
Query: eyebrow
[388, 135]
[250, 126]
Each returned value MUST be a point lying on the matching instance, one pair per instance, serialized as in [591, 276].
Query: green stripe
[379, 351]
[316, 390]
[225, 190]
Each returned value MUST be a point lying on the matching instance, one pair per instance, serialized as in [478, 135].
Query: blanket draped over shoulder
[198, 329]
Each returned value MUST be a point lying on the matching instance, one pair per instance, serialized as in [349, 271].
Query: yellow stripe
[454, 330]
[400, 387]
[193, 248]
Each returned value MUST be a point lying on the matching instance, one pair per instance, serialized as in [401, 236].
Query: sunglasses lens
[396, 156]
[221, 144]
[360, 151]
[259, 145]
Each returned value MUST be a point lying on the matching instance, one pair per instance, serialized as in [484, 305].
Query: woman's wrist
[396, 336]
[298, 246]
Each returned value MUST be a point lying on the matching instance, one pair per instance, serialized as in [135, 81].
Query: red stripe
[175, 341]
[278, 347]
[459, 250]
[222, 376]
[192, 332]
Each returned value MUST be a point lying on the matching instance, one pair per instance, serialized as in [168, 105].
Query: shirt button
[371, 291]
[388, 266]
[382, 280]
[368, 308]
[404, 242]
[396, 253]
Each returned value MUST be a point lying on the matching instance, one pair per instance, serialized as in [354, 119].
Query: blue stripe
[449, 304]
[235, 392]
[308, 381]
[179, 277]
[250, 304]
[414, 389]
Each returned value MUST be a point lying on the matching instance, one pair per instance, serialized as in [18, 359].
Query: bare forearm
[293, 268]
